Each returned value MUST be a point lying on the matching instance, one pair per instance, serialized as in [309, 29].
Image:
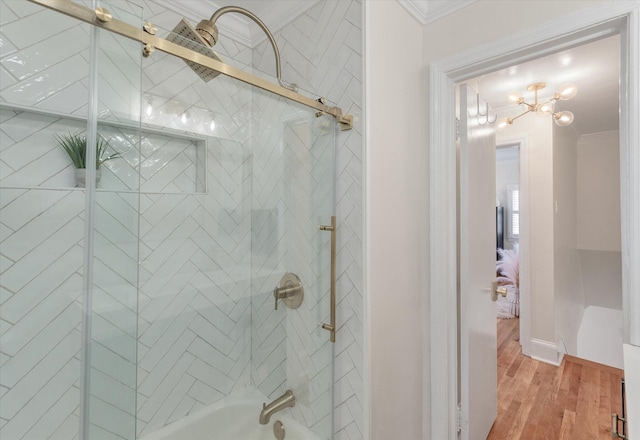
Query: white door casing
[580, 28]
[524, 287]
[478, 347]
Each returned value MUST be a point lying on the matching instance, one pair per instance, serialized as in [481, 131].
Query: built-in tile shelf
[155, 160]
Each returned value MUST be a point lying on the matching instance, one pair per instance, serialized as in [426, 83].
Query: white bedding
[509, 306]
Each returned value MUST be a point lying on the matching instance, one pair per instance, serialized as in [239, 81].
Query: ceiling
[593, 67]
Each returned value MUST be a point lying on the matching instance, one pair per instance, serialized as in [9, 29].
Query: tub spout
[287, 400]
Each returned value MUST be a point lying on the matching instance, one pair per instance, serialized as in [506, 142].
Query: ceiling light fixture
[564, 118]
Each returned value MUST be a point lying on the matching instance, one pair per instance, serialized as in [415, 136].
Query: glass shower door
[293, 195]
[41, 222]
[68, 266]
[112, 305]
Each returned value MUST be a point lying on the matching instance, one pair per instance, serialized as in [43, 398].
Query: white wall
[507, 173]
[600, 336]
[569, 295]
[489, 20]
[599, 242]
[397, 221]
[599, 192]
[538, 132]
[602, 278]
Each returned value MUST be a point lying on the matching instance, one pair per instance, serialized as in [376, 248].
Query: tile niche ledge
[169, 161]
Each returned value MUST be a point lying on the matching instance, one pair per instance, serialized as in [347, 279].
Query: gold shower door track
[103, 20]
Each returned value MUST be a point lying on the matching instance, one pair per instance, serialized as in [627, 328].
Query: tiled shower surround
[201, 332]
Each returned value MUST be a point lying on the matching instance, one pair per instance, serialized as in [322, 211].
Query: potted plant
[75, 145]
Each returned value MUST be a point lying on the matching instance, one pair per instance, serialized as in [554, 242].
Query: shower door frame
[86, 15]
[102, 19]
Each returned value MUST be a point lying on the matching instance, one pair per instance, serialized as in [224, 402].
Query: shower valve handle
[289, 290]
[285, 292]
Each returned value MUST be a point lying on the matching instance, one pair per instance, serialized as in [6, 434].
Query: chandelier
[562, 118]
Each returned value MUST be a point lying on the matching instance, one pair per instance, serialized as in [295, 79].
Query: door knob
[495, 291]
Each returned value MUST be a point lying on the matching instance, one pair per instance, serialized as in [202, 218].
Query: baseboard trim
[545, 351]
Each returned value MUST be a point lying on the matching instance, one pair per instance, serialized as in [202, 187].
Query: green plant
[75, 144]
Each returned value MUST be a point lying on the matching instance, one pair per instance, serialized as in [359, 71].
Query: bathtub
[233, 418]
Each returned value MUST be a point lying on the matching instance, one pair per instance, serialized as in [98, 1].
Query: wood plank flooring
[542, 402]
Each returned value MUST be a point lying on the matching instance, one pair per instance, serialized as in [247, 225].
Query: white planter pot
[81, 177]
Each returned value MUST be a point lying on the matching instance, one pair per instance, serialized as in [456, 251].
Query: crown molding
[236, 26]
[426, 11]
[599, 137]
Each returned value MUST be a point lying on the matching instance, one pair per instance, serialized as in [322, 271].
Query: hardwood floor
[540, 401]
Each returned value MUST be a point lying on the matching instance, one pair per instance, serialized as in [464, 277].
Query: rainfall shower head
[185, 35]
[205, 34]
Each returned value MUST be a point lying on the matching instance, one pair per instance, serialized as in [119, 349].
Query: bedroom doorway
[508, 229]
[443, 77]
[546, 187]
[551, 155]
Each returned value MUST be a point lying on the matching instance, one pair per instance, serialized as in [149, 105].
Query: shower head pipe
[209, 31]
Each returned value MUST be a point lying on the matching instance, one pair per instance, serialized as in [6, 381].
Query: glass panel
[111, 412]
[194, 341]
[195, 320]
[293, 194]
[43, 75]
[202, 341]
[198, 330]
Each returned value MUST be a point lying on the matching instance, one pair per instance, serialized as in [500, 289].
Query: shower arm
[226, 9]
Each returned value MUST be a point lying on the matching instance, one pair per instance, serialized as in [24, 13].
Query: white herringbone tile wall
[322, 51]
[42, 261]
[195, 281]
[195, 306]
[292, 197]
[41, 230]
[194, 297]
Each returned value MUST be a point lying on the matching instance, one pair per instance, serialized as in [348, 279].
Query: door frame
[583, 27]
[524, 243]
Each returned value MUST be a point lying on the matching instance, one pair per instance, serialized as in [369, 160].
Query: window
[513, 212]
